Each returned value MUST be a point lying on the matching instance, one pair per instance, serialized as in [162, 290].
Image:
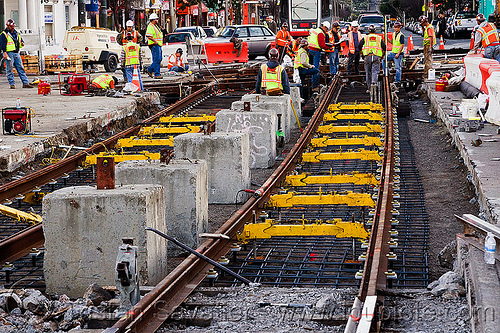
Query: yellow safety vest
[131, 53]
[271, 77]
[428, 37]
[155, 32]
[103, 81]
[296, 62]
[313, 38]
[373, 44]
[11, 45]
[396, 43]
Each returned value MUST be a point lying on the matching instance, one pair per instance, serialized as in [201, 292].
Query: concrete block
[493, 84]
[261, 127]
[228, 161]
[83, 228]
[281, 104]
[186, 191]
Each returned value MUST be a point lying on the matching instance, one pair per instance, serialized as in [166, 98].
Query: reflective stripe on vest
[331, 38]
[489, 34]
[373, 44]
[103, 81]
[351, 41]
[296, 62]
[313, 38]
[154, 32]
[134, 35]
[396, 43]
[283, 37]
[271, 77]
[11, 45]
[131, 53]
[429, 36]
[174, 61]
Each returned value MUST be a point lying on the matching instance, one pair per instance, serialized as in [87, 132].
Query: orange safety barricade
[486, 70]
[225, 52]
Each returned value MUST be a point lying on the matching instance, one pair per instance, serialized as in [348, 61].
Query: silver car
[259, 38]
[371, 19]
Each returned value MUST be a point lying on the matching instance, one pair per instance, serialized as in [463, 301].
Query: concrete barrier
[493, 84]
[472, 72]
[486, 70]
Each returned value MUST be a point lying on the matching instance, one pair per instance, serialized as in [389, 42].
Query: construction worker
[104, 81]
[271, 24]
[122, 37]
[301, 62]
[397, 52]
[487, 38]
[131, 58]
[10, 43]
[353, 39]
[317, 43]
[272, 79]
[372, 48]
[429, 42]
[333, 54]
[176, 62]
[155, 42]
[293, 47]
[283, 37]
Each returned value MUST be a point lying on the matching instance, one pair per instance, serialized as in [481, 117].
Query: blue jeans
[334, 61]
[316, 57]
[179, 69]
[397, 63]
[16, 61]
[302, 73]
[492, 52]
[156, 54]
[129, 74]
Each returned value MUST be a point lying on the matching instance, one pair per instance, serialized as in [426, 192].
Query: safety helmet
[480, 18]
[179, 50]
[422, 19]
[303, 42]
[326, 24]
[129, 23]
[397, 24]
[371, 28]
[284, 25]
[354, 24]
[10, 22]
[153, 16]
[273, 53]
[271, 17]
[335, 24]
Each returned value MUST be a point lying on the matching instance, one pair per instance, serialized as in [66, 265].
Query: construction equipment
[356, 107]
[72, 84]
[305, 179]
[158, 130]
[20, 216]
[292, 199]
[361, 154]
[366, 140]
[143, 142]
[143, 155]
[271, 228]
[368, 128]
[187, 119]
[16, 120]
[368, 116]
[127, 276]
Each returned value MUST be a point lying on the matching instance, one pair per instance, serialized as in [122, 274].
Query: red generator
[72, 84]
[16, 121]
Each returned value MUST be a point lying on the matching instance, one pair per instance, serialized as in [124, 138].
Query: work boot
[12, 86]
[149, 73]
[27, 86]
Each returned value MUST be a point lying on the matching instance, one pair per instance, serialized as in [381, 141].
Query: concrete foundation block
[83, 228]
[228, 161]
[261, 127]
[186, 194]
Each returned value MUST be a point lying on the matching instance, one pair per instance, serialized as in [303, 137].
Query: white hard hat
[354, 24]
[271, 17]
[129, 23]
[326, 24]
[153, 17]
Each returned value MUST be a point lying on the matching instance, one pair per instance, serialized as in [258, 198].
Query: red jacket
[321, 42]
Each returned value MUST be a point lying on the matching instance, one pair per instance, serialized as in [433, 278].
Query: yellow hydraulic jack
[292, 199]
[19, 215]
[354, 107]
[187, 119]
[366, 140]
[158, 129]
[142, 142]
[368, 116]
[361, 154]
[305, 179]
[369, 128]
[143, 155]
[271, 228]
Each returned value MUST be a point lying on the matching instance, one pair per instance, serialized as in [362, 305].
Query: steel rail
[363, 313]
[15, 247]
[156, 306]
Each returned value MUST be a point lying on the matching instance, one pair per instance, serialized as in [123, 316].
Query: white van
[96, 45]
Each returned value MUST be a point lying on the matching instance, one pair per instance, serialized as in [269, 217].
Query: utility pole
[173, 18]
[226, 12]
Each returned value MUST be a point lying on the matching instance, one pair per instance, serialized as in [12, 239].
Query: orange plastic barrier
[486, 70]
[225, 52]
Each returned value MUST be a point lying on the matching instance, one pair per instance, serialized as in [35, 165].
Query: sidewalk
[483, 162]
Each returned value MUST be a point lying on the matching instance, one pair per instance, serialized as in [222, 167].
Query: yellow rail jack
[144, 155]
[366, 140]
[369, 116]
[355, 106]
[143, 142]
[361, 154]
[305, 179]
[158, 129]
[368, 128]
[292, 199]
[187, 119]
[19, 215]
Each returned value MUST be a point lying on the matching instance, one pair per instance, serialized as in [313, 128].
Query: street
[449, 43]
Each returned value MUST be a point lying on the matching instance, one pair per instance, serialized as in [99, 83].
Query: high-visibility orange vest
[271, 77]
[174, 61]
[351, 41]
[134, 35]
[282, 37]
[331, 37]
[489, 34]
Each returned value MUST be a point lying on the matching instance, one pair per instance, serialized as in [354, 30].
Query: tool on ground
[19, 215]
[17, 120]
[296, 116]
[72, 84]
[127, 276]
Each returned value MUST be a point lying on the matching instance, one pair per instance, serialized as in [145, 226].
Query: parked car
[371, 19]
[96, 45]
[463, 23]
[196, 30]
[259, 38]
[210, 30]
[172, 42]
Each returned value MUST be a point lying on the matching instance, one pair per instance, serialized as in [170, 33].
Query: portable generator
[16, 120]
[72, 84]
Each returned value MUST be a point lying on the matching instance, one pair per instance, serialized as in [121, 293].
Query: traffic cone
[471, 40]
[410, 45]
[136, 78]
[441, 43]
